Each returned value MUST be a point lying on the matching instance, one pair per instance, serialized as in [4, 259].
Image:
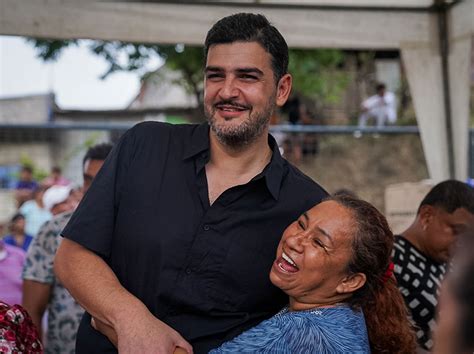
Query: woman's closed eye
[301, 224]
[319, 243]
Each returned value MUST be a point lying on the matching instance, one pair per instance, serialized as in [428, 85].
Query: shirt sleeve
[92, 224]
[40, 256]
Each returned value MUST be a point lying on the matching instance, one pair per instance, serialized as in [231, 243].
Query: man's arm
[35, 300]
[94, 285]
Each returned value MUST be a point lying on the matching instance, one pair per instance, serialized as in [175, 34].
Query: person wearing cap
[41, 289]
[56, 199]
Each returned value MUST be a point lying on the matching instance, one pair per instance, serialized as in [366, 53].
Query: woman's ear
[351, 283]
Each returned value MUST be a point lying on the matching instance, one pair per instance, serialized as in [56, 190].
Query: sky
[74, 78]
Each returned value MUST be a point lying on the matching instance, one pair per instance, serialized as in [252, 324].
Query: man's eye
[248, 77]
[213, 76]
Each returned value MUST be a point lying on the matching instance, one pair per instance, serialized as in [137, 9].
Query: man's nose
[229, 89]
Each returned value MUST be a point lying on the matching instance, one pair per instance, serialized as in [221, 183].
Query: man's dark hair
[246, 27]
[17, 217]
[380, 86]
[56, 169]
[27, 168]
[449, 196]
[97, 152]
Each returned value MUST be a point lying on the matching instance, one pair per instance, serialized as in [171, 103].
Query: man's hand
[144, 335]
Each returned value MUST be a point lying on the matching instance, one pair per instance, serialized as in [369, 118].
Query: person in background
[18, 334]
[381, 106]
[11, 263]
[55, 178]
[25, 186]
[57, 199]
[173, 241]
[422, 251]
[18, 237]
[456, 306]
[41, 289]
[35, 213]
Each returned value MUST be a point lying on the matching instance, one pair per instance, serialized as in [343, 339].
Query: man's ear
[351, 283]
[426, 215]
[283, 89]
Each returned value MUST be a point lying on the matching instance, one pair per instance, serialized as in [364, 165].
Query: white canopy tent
[434, 37]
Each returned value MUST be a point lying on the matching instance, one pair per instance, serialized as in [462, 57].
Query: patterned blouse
[418, 278]
[322, 330]
[64, 313]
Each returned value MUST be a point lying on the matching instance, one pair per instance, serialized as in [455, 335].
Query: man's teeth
[288, 259]
[230, 108]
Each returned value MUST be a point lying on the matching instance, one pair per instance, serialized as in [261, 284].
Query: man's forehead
[245, 53]
[460, 216]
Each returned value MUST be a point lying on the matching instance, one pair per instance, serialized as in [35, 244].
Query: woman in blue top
[334, 263]
[18, 237]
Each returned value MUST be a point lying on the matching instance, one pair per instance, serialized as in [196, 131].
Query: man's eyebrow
[213, 68]
[249, 71]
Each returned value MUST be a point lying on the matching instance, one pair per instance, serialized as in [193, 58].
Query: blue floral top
[322, 330]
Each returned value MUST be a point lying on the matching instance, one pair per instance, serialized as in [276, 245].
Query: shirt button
[188, 271]
[206, 227]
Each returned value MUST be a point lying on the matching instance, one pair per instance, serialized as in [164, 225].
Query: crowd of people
[27, 255]
[203, 238]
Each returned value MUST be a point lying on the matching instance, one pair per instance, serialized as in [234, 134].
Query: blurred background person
[34, 211]
[57, 199]
[25, 186]
[11, 264]
[18, 237]
[55, 178]
[17, 332]
[41, 289]
[422, 252]
[456, 306]
[381, 106]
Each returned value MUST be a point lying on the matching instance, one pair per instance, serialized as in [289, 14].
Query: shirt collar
[273, 172]
[275, 169]
[199, 141]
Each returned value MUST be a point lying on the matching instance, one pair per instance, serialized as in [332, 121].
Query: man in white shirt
[381, 107]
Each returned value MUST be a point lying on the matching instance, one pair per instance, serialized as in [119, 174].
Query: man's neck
[228, 167]
[412, 234]
[241, 160]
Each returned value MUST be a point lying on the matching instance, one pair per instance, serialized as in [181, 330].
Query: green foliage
[38, 173]
[50, 49]
[315, 72]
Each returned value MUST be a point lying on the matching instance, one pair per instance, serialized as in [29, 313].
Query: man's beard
[247, 131]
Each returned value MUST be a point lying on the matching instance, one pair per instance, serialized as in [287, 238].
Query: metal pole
[442, 8]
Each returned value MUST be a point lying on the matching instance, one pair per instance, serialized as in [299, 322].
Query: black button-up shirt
[202, 269]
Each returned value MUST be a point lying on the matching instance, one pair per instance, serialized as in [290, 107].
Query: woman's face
[313, 254]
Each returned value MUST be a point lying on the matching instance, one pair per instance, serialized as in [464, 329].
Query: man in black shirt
[422, 252]
[172, 245]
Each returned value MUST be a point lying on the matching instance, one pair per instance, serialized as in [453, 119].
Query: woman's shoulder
[329, 330]
[337, 329]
